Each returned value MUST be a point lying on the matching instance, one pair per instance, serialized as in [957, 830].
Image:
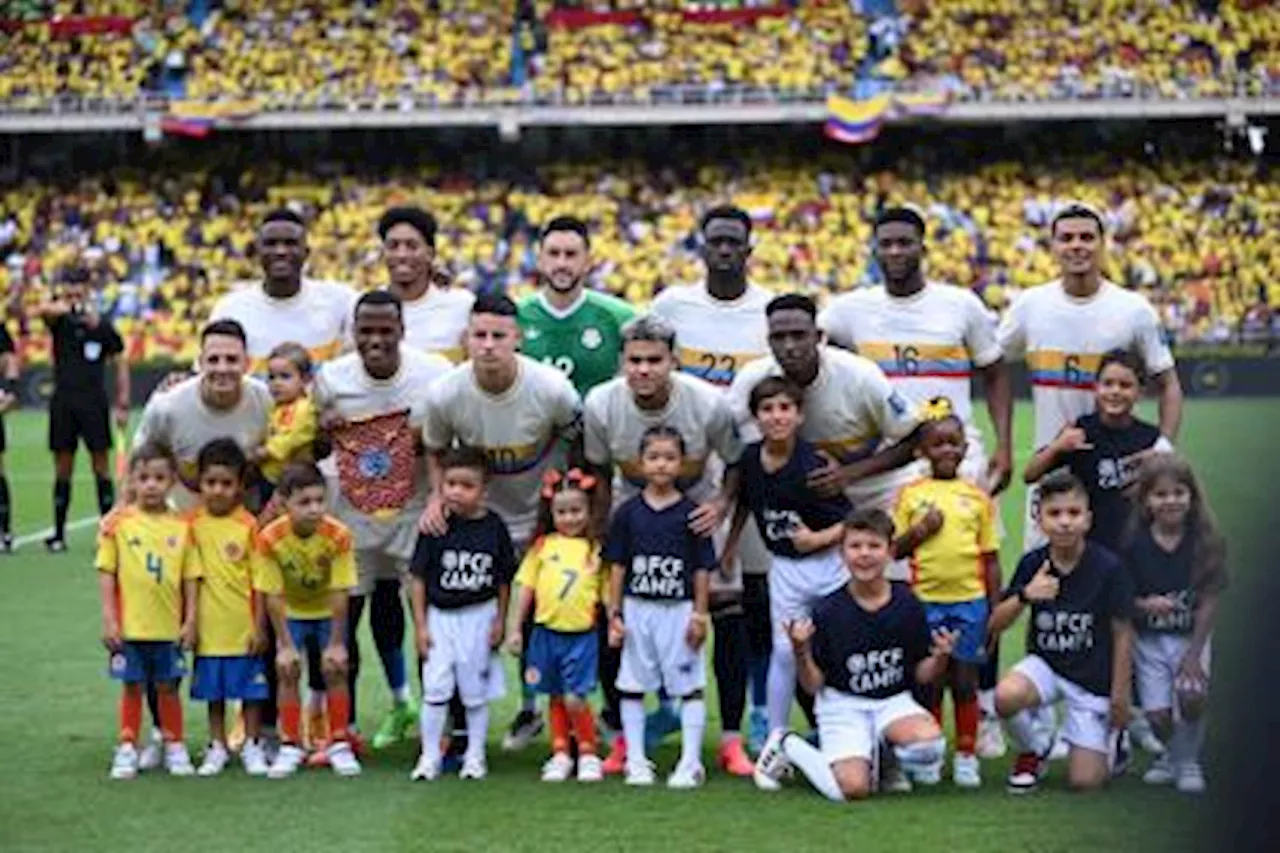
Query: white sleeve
[437, 428]
[979, 333]
[722, 433]
[833, 326]
[1011, 336]
[321, 390]
[595, 445]
[1147, 337]
[894, 417]
[154, 423]
[738, 397]
[566, 410]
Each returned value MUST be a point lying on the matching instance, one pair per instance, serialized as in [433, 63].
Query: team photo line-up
[825, 520]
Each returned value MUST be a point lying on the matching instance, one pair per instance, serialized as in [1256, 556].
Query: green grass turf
[58, 713]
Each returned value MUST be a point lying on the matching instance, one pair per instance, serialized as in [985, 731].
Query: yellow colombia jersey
[306, 569]
[150, 554]
[949, 566]
[567, 582]
[227, 610]
[293, 429]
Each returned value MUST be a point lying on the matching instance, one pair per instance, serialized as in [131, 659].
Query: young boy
[866, 646]
[1079, 639]
[308, 570]
[800, 529]
[949, 533]
[148, 575]
[231, 620]
[461, 586]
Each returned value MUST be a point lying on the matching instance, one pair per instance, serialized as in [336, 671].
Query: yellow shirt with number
[567, 581]
[150, 554]
[306, 569]
[949, 566]
[227, 610]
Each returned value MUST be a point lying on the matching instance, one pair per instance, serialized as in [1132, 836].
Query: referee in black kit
[83, 343]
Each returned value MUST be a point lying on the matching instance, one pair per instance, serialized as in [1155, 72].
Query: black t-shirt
[467, 564]
[1155, 571]
[658, 550]
[80, 354]
[870, 655]
[6, 342]
[1107, 470]
[782, 501]
[1072, 633]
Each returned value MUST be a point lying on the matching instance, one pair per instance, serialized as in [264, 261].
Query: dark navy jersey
[1072, 633]
[872, 655]
[467, 564]
[782, 501]
[657, 549]
[1155, 571]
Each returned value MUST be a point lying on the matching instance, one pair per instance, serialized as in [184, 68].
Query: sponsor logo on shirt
[876, 670]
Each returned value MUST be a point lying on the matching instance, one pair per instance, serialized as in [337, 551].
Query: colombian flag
[855, 122]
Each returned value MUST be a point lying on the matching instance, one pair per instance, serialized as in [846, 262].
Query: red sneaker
[733, 759]
[616, 763]
[1028, 770]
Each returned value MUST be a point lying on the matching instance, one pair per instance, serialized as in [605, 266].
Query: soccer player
[616, 415]
[8, 399]
[948, 530]
[306, 560]
[461, 588]
[148, 577]
[231, 622]
[372, 404]
[83, 343]
[863, 650]
[220, 402]
[286, 305]
[1079, 643]
[658, 600]
[435, 315]
[521, 413]
[565, 324]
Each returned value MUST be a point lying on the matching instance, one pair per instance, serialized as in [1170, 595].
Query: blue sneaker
[658, 725]
[757, 730]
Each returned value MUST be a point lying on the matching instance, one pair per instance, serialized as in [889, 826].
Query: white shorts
[1087, 717]
[654, 652]
[796, 585]
[374, 565]
[1156, 661]
[460, 657]
[852, 726]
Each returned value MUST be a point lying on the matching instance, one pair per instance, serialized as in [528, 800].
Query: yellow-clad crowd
[1197, 238]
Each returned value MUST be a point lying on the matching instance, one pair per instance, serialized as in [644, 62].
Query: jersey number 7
[570, 578]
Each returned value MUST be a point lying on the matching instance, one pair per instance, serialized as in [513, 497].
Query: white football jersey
[342, 385]
[1063, 339]
[927, 344]
[714, 338]
[613, 425]
[318, 317]
[522, 432]
[437, 321]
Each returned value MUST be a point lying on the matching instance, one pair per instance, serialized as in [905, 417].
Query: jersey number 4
[155, 567]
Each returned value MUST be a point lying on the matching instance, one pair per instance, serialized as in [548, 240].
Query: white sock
[1186, 743]
[401, 694]
[781, 684]
[632, 712]
[1028, 733]
[815, 767]
[477, 731]
[987, 702]
[693, 725]
[431, 725]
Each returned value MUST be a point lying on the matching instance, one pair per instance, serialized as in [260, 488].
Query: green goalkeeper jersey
[585, 342]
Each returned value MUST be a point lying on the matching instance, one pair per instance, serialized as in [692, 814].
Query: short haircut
[725, 211]
[649, 327]
[792, 302]
[901, 213]
[661, 432]
[776, 386]
[465, 457]
[378, 298]
[296, 354]
[1059, 483]
[1124, 358]
[283, 214]
[493, 303]
[567, 223]
[1076, 210]
[875, 521]
[224, 452]
[298, 476]
[226, 328]
[151, 451]
[415, 217]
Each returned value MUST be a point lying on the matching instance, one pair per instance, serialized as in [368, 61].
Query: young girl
[1105, 449]
[1177, 559]
[658, 597]
[293, 419]
[563, 575]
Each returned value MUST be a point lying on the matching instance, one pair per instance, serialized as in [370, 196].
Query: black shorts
[71, 420]
[4, 440]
